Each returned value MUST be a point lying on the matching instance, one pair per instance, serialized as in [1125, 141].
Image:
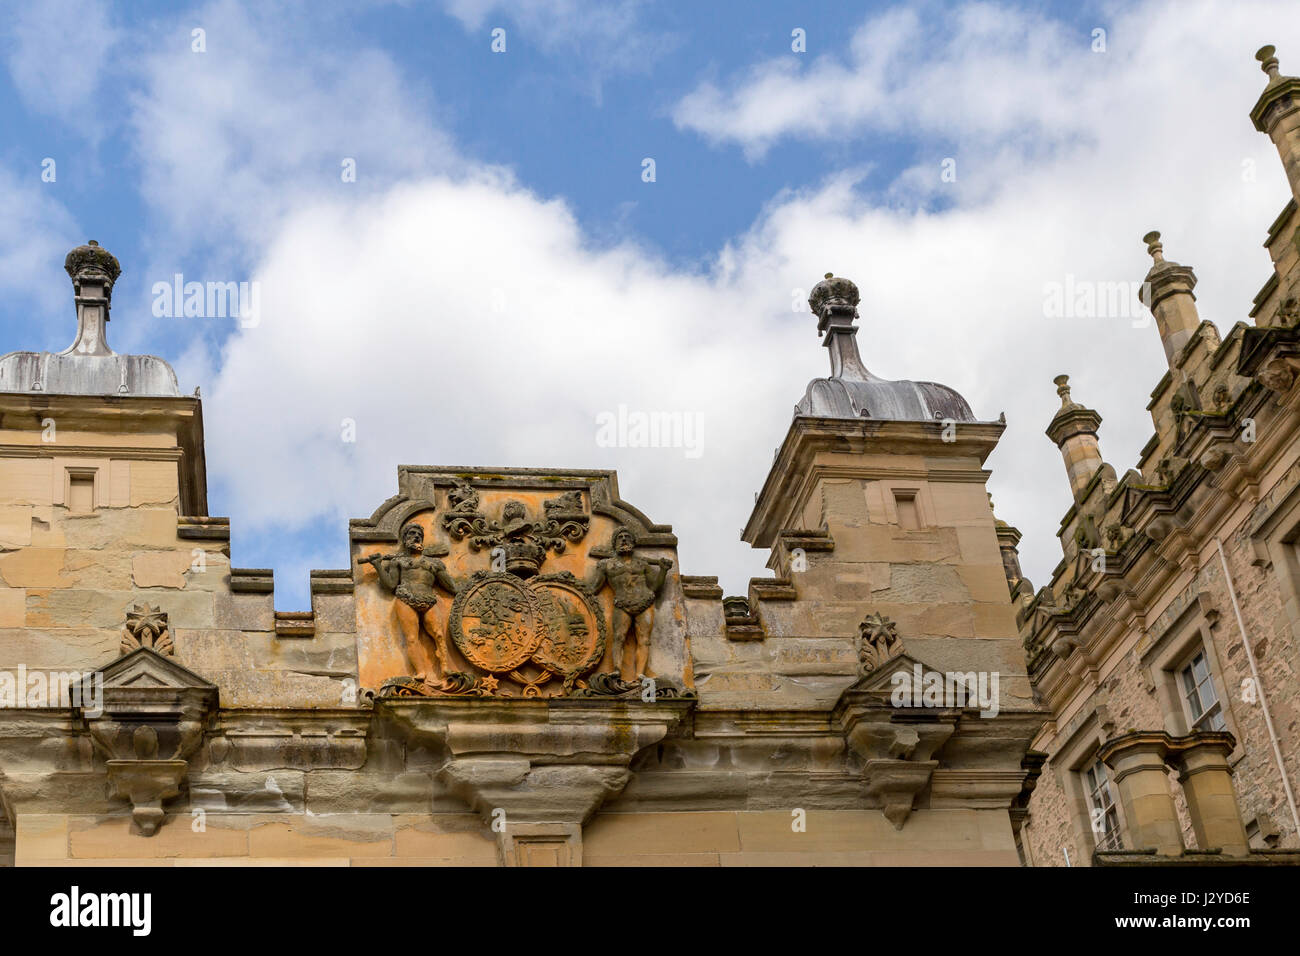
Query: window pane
[1199, 667]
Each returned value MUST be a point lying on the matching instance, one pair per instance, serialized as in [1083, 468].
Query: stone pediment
[146, 715]
[881, 683]
[144, 667]
[145, 681]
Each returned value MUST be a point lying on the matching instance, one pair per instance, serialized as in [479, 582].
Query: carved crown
[92, 261]
[834, 292]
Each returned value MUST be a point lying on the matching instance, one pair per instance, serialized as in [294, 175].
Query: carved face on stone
[624, 543]
[413, 537]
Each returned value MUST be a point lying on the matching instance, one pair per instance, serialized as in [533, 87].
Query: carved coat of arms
[512, 630]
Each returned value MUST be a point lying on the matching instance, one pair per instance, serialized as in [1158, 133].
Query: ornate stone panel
[517, 584]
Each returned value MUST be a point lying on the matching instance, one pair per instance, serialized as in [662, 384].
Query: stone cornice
[178, 415]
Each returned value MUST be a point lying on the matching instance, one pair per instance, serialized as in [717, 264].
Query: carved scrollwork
[525, 541]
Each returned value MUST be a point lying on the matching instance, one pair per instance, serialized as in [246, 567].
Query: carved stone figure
[635, 583]
[413, 574]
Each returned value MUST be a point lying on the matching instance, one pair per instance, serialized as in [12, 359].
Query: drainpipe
[1259, 687]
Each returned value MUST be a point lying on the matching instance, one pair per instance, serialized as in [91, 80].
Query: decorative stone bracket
[896, 746]
[536, 770]
[146, 715]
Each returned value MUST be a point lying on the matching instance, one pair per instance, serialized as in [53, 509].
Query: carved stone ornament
[878, 641]
[1277, 376]
[524, 542]
[513, 631]
[149, 720]
[146, 626]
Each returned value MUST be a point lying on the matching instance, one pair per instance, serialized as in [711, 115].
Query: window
[1198, 691]
[81, 492]
[1101, 805]
[905, 505]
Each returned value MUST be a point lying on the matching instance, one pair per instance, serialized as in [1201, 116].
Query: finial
[1268, 62]
[1155, 249]
[837, 294]
[92, 261]
[1063, 389]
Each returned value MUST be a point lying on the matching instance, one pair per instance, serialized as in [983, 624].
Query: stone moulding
[535, 771]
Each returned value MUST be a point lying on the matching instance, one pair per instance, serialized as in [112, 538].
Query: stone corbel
[146, 716]
[897, 758]
[536, 770]
[896, 747]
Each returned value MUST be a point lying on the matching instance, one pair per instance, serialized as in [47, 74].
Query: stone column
[1137, 761]
[1201, 760]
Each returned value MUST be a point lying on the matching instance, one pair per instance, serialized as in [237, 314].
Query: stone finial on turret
[1277, 113]
[851, 391]
[1167, 292]
[92, 262]
[88, 366]
[834, 296]
[93, 270]
[1074, 430]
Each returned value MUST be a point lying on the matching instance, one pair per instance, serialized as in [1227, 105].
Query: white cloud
[468, 321]
[236, 137]
[979, 71]
[379, 306]
[599, 39]
[57, 51]
[35, 234]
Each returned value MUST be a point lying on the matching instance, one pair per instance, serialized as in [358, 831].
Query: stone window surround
[65, 469]
[1170, 653]
[918, 491]
[1072, 760]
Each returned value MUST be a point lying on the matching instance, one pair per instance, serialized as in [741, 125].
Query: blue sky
[499, 232]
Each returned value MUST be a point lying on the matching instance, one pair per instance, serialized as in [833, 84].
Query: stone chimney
[1167, 292]
[1277, 113]
[1074, 430]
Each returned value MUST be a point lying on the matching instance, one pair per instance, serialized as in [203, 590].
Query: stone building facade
[1166, 647]
[513, 669]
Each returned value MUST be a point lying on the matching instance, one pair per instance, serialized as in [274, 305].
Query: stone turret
[1167, 292]
[1074, 430]
[1277, 113]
